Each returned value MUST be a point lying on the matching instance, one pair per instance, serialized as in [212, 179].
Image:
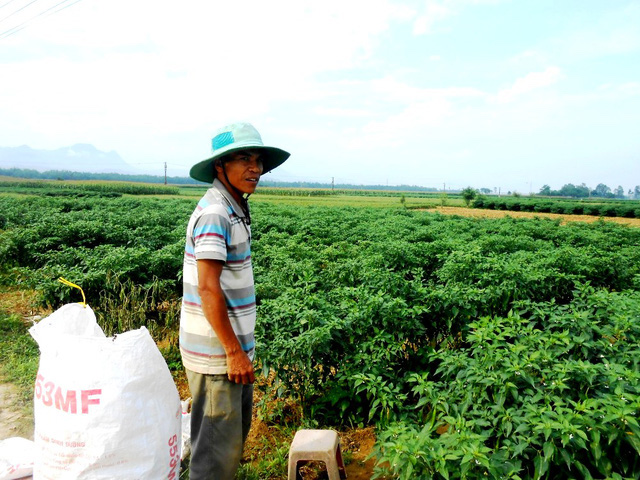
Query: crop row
[82, 189]
[628, 209]
[320, 192]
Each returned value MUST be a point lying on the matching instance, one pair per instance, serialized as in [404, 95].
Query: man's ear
[217, 165]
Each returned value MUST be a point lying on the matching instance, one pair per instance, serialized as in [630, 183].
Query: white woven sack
[104, 408]
[16, 458]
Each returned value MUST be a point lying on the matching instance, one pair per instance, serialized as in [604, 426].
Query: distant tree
[582, 191]
[571, 190]
[601, 191]
[636, 192]
[468, 194]
[568, 190]
[485, 190]
[619, 192]
[545, 190]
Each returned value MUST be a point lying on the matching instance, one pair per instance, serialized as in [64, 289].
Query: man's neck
[232, 191]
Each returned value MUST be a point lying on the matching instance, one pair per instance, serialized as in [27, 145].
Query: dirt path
[14, 420]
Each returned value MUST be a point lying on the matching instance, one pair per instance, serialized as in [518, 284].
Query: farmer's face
[243, 171]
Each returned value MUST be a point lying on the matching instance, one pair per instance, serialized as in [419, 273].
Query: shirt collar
[237, 209]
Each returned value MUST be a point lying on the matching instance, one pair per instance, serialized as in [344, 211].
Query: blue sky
[498, 94]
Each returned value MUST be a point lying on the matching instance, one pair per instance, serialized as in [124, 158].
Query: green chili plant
[550, 391]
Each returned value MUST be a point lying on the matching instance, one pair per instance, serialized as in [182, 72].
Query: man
[218, 308]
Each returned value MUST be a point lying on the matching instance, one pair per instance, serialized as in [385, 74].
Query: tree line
[69, 175]
[582, 191]
[568, 190]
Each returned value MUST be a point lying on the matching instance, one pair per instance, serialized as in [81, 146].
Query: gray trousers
[220, 422]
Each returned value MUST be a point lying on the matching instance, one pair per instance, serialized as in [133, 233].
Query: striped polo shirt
[217, 230]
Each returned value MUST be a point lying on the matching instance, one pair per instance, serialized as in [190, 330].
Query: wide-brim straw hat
[232, 138]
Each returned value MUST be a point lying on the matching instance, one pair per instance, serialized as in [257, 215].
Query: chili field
[499, 348]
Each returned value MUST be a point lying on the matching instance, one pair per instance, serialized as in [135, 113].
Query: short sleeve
[211, 234]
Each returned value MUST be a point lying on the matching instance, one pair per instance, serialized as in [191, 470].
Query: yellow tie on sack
[69, 284]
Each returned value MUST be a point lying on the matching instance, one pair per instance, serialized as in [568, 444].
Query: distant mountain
[81, 157]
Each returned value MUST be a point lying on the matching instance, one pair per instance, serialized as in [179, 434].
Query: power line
[66, 6]
[20, 9]
[17, 28]
[7, 3]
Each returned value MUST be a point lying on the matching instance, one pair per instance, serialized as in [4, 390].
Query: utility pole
[165, 173]
[332, 183]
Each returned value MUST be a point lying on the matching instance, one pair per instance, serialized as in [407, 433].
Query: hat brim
[272, 157]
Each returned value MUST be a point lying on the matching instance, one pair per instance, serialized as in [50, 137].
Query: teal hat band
[222, 140]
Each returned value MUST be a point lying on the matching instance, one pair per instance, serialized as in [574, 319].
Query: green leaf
[541, 466]
[508, 427]
[408, 470]
[583, 470]
[634, 441]
[582, 435]
[596, 450]
[548, 449]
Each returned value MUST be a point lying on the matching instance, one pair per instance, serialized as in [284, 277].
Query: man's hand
[240, 368]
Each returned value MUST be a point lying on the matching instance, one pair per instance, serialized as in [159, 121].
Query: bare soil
[359, 444]
[15, 421]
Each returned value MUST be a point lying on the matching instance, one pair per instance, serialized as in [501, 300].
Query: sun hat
[232, 138]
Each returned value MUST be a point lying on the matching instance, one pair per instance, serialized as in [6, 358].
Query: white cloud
[609, 32]
[434, 12]
[396, 130]
[530, 58]
[402, 111]
[342, 112]
[528, 83]
[617, 90]
[390, 89]
[630, 88]
[166, 67]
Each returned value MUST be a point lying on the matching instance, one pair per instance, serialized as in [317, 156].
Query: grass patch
[269, 462]
[19, 355]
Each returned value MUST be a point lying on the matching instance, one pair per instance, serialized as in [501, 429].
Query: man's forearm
[215, 311]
